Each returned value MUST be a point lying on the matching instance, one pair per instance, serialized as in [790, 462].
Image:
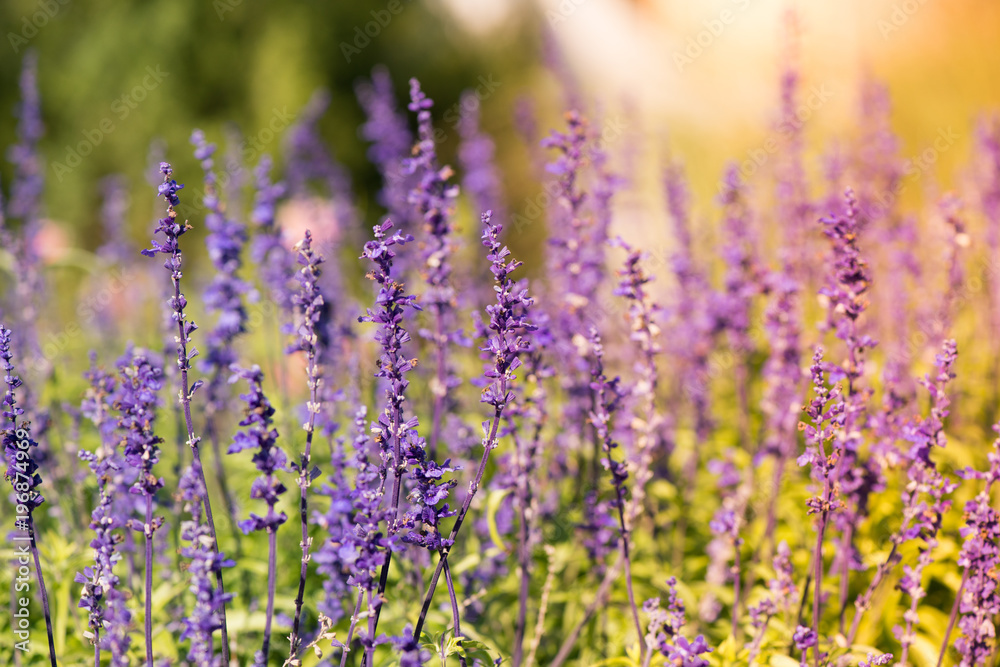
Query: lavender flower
[644, 331]
[308, 160]
[22, 472]
[781, 596]
[693, 329]
[172, 231]
[873, 660]
[847, 299]
[136, 404]
[309, 305]
[743, 282]
[26, 190]
[101, 597]
[978, 597]
[392, 431]
[509, 324]
[223, 295]
[826, 411]
[116, 246]
[391, 142]
[268, 458]
[925, 498]
[21, 469]
[576, 269]
[260, 436]
[267, 248]
[434, 199]
[364, 549]
[664, 631]
[794, 209]
[481, 178]
[26, 205]
[607, 400]
[782, 377]
[345, 524]
[204, 569]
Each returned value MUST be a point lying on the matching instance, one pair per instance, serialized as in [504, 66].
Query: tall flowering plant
[22, 473]
[172, 230]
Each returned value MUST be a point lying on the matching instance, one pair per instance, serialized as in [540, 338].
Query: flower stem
[148, 531]
[350, 630]
[272, 549]
[952, 618]
[304, 480]
[454, 608]
[41, 588]
[184, 363]
[488, 446]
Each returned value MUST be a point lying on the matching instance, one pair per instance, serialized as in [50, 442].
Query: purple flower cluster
[205, 565]
[105, 602]
[395, 435]
[434, 199]
[576, 269]
[664, 631]
[21, 468]
[482, 179]
[225, 293]
[268, 249]
[391, 141]
[136, 403]
[260, 436]
[310, 308]
[979, 597]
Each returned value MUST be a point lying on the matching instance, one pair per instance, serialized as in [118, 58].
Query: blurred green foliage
[227, 61]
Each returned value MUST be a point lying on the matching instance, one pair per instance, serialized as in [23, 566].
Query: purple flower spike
[21, 471]
[116, 247]
[607, 399]
[664, 631]
[268, 249]
[978, 597]
[394, 435]
[386, 128]
[482, 179]
[508, 320]
[261, 437]
[224, 295]
[26, 190]
[101, 597]
[434, 199]
[206, 563]
[21, 468]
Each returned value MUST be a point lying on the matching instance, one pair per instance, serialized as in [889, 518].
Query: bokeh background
[231, 63]
[697, 81]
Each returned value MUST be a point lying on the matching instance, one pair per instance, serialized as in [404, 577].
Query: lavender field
[272, 411]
